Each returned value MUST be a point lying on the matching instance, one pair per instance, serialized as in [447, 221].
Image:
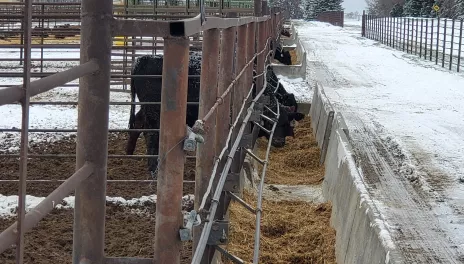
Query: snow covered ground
[405, 117]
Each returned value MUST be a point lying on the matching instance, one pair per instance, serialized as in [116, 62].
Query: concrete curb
[362, 235]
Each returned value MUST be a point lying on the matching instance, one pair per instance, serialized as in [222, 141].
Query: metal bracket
[190, 143]
[255, 116]
[232, 183]
[259, 107]
[219, 233]
[246, 141]
[233, 258]
[186, 232]
[265, 99]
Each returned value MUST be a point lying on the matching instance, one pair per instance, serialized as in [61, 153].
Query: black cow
[285, 32]
[148, 117]
[285, 98]
[283, 56]
[285, 123]
[288, 110]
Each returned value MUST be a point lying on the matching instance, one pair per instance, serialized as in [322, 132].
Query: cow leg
[152, 121]
[152, 143]
[134, 135]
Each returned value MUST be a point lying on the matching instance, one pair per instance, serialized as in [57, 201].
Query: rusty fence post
[238, 95]
[261, 58]
[171, 165]
[224, 120]
[251, 49]
[92, 132]
[27, 22]
[207, 151]
[258, 8]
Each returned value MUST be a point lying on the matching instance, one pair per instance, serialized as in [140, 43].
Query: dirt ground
[127, 234]
[62, 168]
[129, 231]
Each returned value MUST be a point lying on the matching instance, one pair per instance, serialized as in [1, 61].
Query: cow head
[283, 56]
[285, 32]
[285, 125]
[288, 100]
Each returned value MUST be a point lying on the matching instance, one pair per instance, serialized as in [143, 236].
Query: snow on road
[407, 115]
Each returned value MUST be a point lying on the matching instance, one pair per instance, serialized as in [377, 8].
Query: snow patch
[299, 87]
[8, 204]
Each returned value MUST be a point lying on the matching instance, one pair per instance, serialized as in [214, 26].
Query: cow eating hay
[148, 89]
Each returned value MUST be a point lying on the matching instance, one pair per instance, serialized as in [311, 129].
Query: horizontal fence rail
[439, 40]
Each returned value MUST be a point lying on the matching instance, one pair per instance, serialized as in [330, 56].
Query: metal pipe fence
[94, 70]
[434, 39]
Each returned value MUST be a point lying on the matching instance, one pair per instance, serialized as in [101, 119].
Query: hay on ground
[297, 162]
[294, 56]
[291, 232]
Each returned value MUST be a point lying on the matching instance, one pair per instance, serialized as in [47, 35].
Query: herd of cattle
[148, 89]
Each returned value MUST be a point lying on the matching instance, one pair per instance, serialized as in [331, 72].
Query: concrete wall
[361, 236]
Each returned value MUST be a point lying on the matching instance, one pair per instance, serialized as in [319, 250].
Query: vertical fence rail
[395, 32]
[403, 39]
[417, 35]
[431, 41]
[438, 42]
[237, 97]
[408, 43]
[460, 46]
[260, 60]
[426, 37]
[27, 22]
[444, 44]
[171, 165]
[421, 35]
[452, 46]
[208, 95]
[363, 24]
[92, 138]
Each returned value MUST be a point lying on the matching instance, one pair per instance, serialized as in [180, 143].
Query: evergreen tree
[314, 7]
[412, 8]
[418, 8]
[309, 10]
[459, 9]
[397, 11]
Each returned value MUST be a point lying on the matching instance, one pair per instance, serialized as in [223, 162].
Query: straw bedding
[298, 162]
[291, 231]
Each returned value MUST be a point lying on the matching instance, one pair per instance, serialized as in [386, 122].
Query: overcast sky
[354, 5]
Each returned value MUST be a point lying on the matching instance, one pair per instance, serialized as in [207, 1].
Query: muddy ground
[62, 168]
[129, 231]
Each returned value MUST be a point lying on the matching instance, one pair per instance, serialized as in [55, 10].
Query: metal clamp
[219, 233]
[190, 143]
[192, 219]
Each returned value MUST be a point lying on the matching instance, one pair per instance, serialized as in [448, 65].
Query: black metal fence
[433, 39]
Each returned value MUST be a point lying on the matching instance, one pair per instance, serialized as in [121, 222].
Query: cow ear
[295, 116]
